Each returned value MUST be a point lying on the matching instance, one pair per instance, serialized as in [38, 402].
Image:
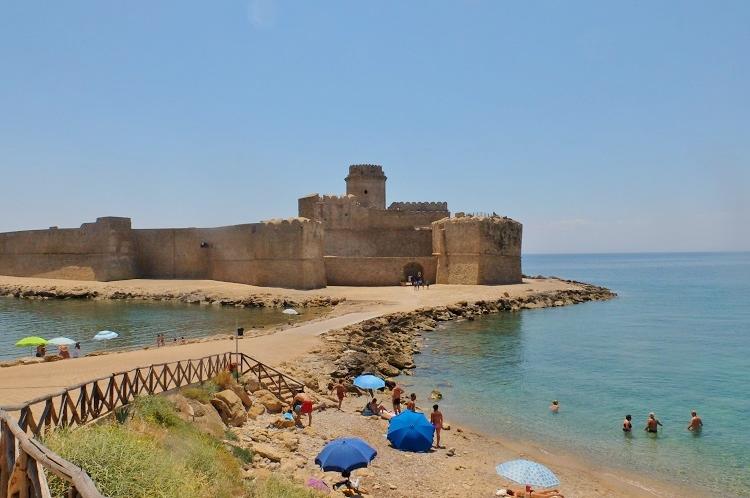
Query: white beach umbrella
[105, 335]
[61, 341]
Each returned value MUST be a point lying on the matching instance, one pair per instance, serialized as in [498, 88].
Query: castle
[337, 240]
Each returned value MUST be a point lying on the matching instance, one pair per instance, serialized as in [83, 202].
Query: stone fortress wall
[367, 244]
[278, 253]
[351, 239]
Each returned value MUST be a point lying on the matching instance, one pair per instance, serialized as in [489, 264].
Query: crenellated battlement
[374, 170]
[418, 206]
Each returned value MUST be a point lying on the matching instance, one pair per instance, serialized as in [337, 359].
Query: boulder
[207, 420]
[230, 407]
[388, 370]
[401, 361]
[289, 440]
[269, 400]
[203, 416]
[436, 395]
[250, 382]
[267, 451]
[242, 394]
[256, 411]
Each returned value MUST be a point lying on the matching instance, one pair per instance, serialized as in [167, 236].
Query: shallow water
[137, 322]
[677, 338]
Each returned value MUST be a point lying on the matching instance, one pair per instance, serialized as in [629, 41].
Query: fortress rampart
[349, 239]
[477, 250]
[277, 253]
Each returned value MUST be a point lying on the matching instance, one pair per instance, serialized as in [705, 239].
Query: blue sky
[602, 126]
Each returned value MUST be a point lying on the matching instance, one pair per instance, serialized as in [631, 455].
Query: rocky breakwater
[111, 291]
[386, 345]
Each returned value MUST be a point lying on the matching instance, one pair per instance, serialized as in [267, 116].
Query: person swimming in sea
[555, 406]
[652, 424]
[627, 425]
[696, 424]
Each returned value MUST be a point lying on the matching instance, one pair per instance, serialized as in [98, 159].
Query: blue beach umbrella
[529, 473]
[410, 431]
[61, 341]
[345, 454]
[368, 381]
[105, 335]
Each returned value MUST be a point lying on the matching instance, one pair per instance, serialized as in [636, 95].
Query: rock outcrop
[230, 407]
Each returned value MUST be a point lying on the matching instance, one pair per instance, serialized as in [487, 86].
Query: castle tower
[367, 183]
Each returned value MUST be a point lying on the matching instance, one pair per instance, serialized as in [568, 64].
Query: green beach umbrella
[31, 341]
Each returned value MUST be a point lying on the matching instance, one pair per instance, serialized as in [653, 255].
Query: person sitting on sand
[62, 350]
[396, 398]
[41, 351]
[696, 424]
[301, 404]
[627, 425]
[521, 493]
[436, 419]
[652, 424]
[412, 403]
[340, 392]
[554, 407]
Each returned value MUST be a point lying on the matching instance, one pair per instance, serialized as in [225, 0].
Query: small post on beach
[240, 333]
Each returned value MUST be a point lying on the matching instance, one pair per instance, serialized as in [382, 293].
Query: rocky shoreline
[262, 300]
[386, 345]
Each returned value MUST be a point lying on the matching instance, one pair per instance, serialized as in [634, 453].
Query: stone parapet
[418, 206]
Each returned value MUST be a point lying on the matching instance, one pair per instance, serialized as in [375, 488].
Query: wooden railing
[24, 460]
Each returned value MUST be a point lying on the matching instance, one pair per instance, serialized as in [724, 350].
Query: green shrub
[157, 410]
[230, 435]
[224, 380]
[243, 454]
[276, 487]
[123, 463]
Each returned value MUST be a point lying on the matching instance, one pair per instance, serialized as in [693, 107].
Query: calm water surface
[137, 322]
[677, 338]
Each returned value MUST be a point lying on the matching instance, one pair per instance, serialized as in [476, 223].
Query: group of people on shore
[62, 351]
[162, 341]
[374, 407]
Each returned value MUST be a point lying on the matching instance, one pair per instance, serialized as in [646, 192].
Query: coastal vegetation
[151, 451]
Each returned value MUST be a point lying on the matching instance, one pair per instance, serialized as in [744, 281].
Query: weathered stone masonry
[338, 240]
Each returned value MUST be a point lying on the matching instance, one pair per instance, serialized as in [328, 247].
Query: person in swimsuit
[302, 404]
[549, 493]
[696, 424]
[436, 419]
[554, 407]
[340, 392]
[627, 425]
[412, 403]
[396, 399]
[652, 424]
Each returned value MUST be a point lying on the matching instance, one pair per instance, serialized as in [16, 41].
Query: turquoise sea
[676, 338]
[137, 322]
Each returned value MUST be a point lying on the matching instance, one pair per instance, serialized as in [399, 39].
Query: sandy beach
[471, 471]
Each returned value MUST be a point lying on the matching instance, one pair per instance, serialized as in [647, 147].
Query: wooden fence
[24, 461]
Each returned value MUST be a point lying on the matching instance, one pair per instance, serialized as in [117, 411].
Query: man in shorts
[396, 398]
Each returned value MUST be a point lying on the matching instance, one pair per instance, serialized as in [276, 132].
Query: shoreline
[400, 312]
